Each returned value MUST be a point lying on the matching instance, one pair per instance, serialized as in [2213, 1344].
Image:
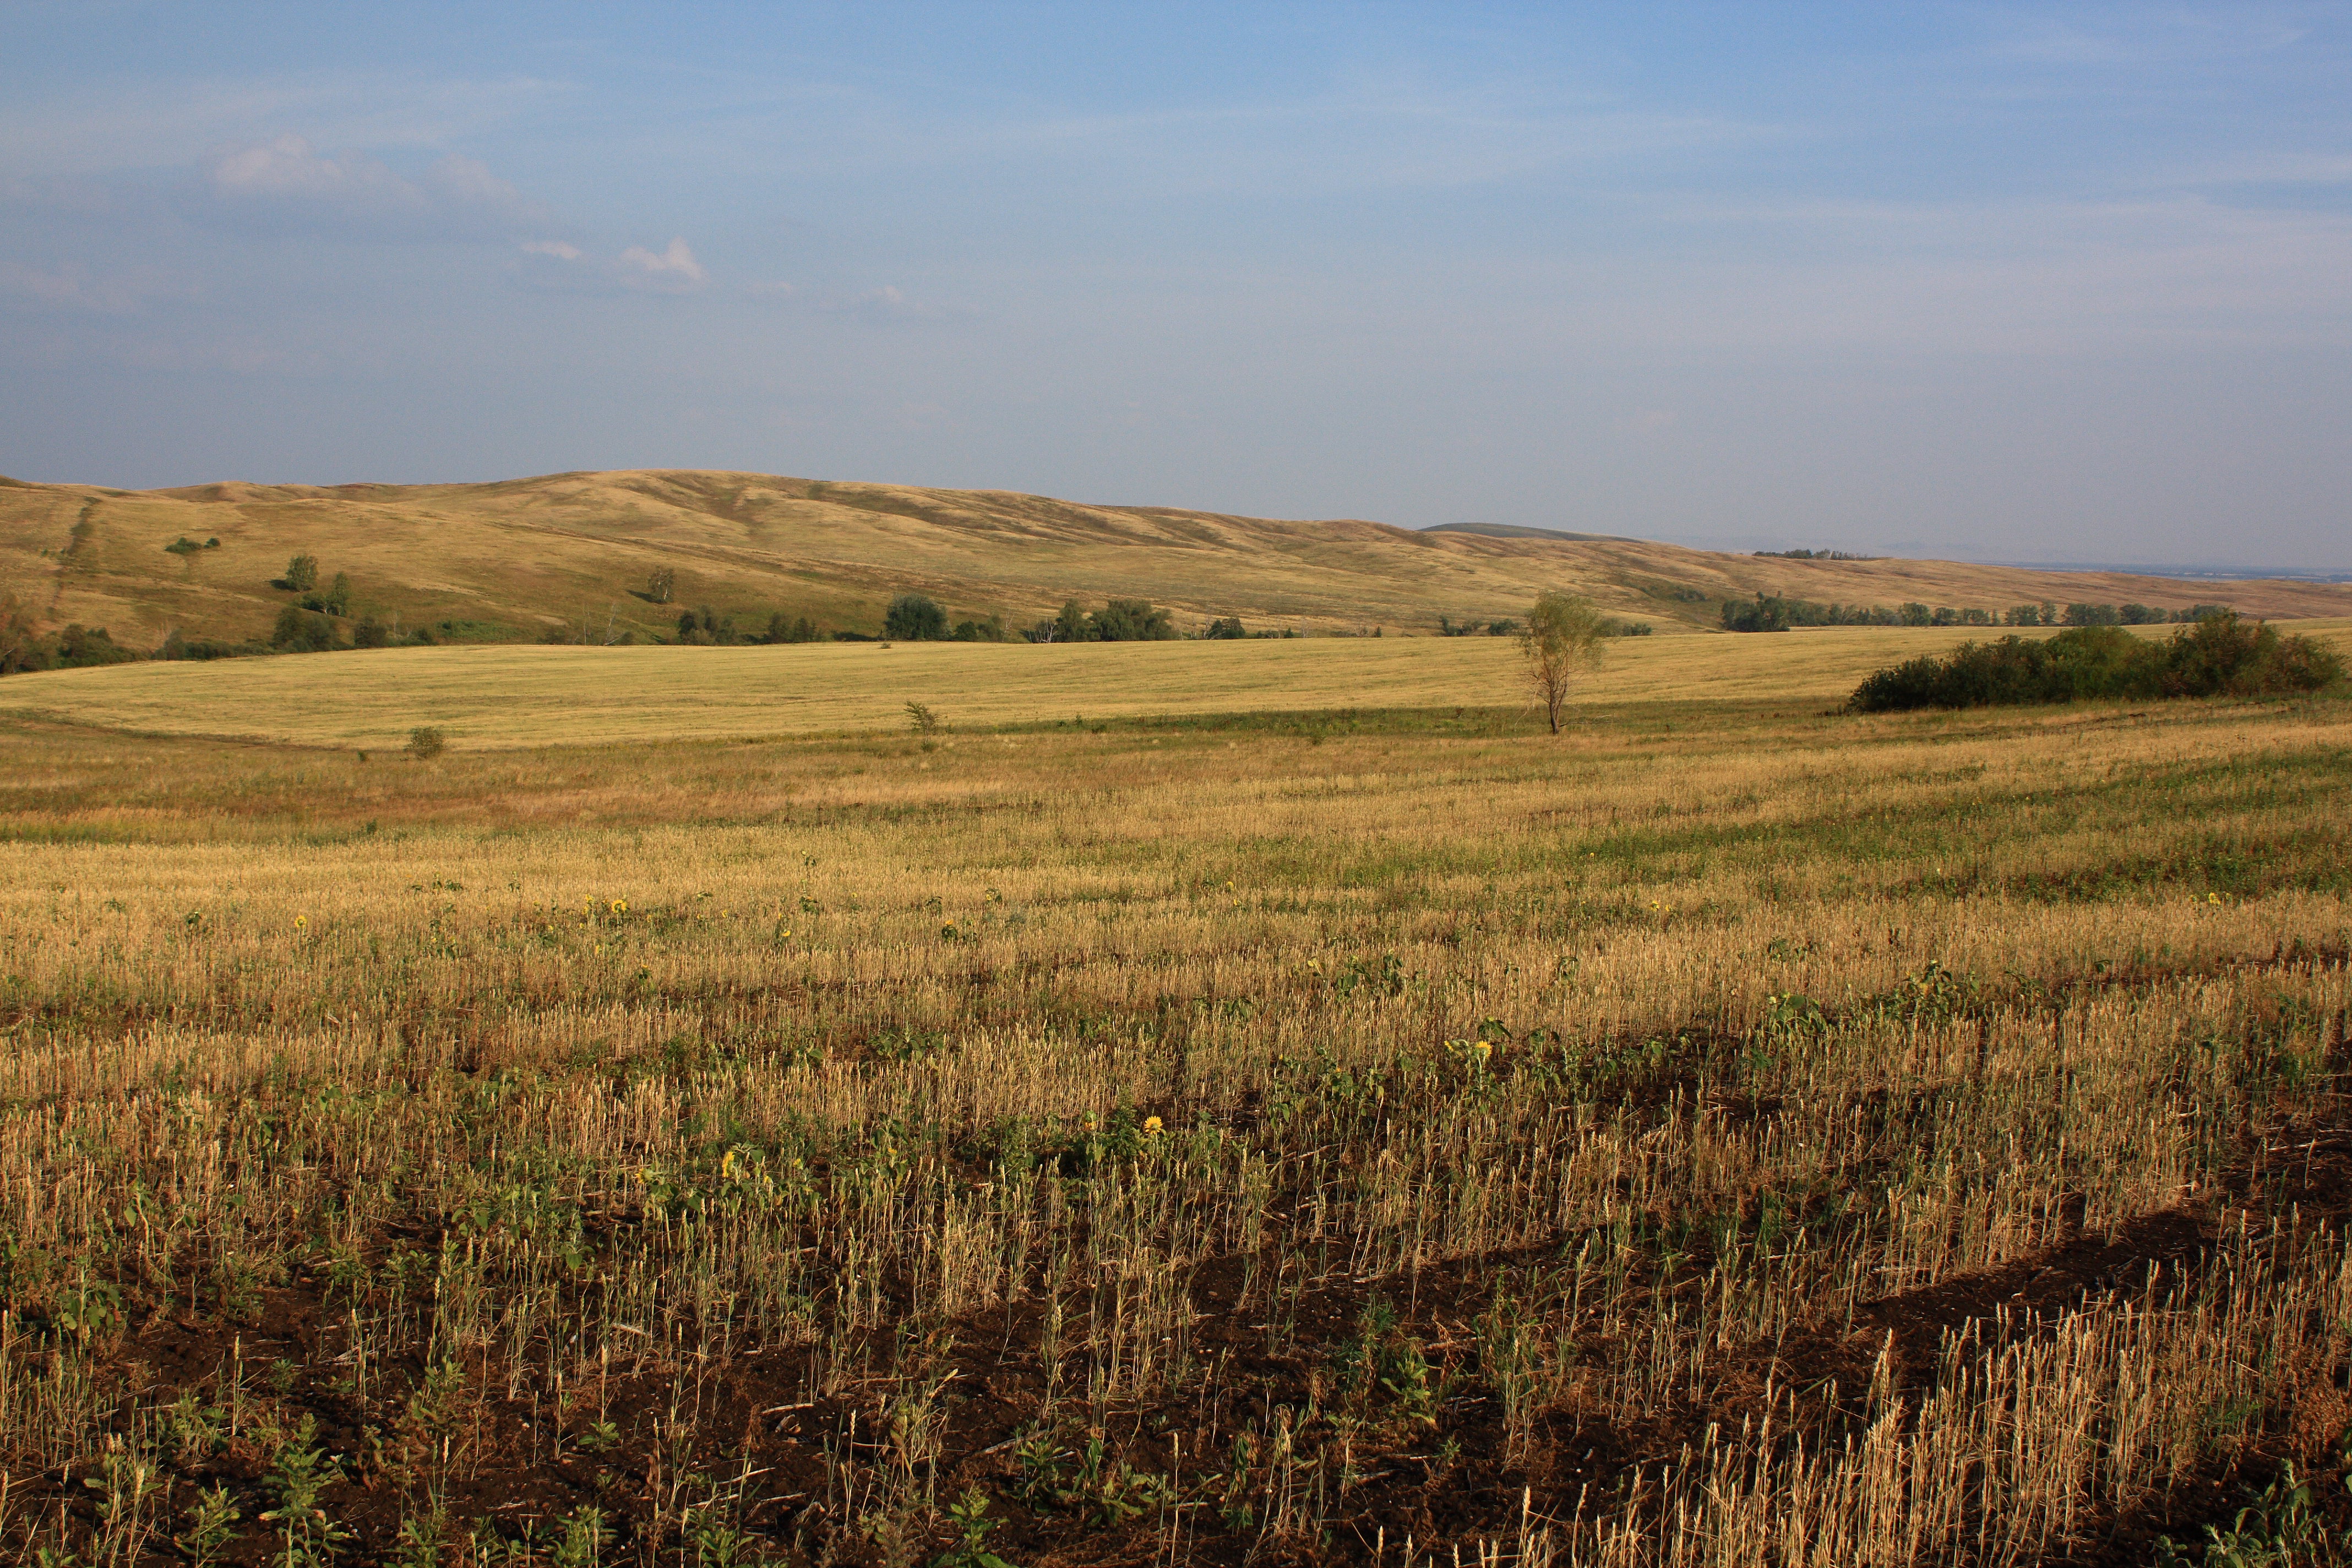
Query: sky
[1980, 281]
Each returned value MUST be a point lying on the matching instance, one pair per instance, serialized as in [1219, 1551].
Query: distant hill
[1519, 530]
[524, 558]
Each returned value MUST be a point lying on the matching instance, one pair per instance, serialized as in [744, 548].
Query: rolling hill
[527, 559]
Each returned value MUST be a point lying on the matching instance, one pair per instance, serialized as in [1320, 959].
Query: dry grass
[526, 555]
[528, 696]
[1728, 1134]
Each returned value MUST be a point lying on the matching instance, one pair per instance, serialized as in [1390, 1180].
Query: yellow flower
[299, 922]
[1481, 1049]
[1151, 1127]
[620, 905]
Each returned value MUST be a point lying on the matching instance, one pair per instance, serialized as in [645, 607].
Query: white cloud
[673, 271]
[285, 167]
[285, 182]
[559, 266]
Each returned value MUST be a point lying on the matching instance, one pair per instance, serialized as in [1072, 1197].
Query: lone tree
[302, 573]
[1563, 636]
[661, 585]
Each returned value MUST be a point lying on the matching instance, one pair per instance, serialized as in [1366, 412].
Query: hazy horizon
[2028, 283]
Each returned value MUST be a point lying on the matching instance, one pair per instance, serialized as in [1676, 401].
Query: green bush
[2219, 656]
[179, 645]
[1130, 620]
[303, 631]
[706, 626]
[913, 617]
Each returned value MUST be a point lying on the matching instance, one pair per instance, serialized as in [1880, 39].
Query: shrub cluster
[75, 648]
[2219, 656]
[707, 627]
[1120, 620]
[319, 622]
[1449, 627]
[915, 617]
[1229, 628]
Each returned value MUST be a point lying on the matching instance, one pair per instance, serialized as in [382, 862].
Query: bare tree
[1563, 636]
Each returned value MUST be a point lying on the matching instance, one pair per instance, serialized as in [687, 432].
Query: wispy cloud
[889, 304]
[2007, 278]
[559, 266]
[2154, 35]
[284, 183]
[671, 271]
[104, 128]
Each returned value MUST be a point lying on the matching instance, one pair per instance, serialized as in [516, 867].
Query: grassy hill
[521, 559]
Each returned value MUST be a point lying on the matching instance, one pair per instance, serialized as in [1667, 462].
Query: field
[1328, 1120]
[572, 555]
[526, 696]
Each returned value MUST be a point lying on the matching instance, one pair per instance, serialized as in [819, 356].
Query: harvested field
[1364, 1131]
[528, 696]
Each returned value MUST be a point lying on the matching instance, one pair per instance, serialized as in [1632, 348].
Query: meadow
[1339, 1124]
[525, 696]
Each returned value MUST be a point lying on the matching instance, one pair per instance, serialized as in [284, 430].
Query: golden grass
[530, 696]
[1778, 1137]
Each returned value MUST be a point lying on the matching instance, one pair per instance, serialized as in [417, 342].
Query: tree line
[1772, 613]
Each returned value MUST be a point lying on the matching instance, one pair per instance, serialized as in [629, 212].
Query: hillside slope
[523, 558]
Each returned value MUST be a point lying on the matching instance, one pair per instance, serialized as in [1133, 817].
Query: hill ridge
[524, 558]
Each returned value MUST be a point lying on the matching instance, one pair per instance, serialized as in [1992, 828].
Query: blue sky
[1989, 281]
